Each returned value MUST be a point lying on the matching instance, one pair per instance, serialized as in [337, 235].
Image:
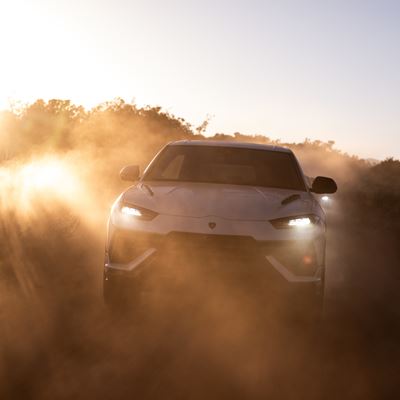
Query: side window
[173, 168]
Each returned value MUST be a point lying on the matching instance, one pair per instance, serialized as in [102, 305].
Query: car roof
[223, 143]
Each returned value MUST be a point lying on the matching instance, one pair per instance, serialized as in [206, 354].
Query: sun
[39, 181]
[45, 175]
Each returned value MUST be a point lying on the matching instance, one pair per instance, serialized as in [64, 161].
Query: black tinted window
[229, 165]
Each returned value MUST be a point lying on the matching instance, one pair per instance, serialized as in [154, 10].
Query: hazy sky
[286, 69]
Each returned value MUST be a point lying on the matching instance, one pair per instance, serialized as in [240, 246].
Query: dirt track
[58, 343]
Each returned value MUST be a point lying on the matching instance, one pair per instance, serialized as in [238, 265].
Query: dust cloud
[201, 335]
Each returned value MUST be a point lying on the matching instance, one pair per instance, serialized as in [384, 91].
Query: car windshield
[226, 165]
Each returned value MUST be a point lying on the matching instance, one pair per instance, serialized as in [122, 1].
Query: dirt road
[57, 342]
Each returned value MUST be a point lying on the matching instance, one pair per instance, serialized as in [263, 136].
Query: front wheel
[311, 304]
[120, 296]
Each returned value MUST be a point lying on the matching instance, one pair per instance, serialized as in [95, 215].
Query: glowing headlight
[136, 212]
[325, 198]
[294, 222]
[299, 222]
[131, 211]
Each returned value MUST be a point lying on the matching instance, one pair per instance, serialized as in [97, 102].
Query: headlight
[132, 211]
[138, 212]
[301, 221]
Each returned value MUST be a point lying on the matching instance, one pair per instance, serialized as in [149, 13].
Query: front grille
[128, 245]
[204, 242]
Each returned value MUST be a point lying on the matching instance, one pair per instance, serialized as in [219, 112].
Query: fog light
[307, 260]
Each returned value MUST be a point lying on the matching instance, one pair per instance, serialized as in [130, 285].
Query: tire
[313, 301]
[316, 310]
[113, 293]
[120, 296]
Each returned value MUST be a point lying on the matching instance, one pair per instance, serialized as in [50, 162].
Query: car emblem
[212, 225]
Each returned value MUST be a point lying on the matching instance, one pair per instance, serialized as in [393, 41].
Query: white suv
[248, 203]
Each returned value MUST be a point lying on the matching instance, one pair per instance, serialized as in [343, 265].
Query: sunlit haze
[284, 69]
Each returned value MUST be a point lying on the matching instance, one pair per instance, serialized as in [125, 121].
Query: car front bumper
[130, 254]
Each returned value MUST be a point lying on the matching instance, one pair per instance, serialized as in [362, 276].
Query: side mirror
[323, 185]
[130, 173]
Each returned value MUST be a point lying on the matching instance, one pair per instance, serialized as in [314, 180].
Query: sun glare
[42, 176]
[46, 179]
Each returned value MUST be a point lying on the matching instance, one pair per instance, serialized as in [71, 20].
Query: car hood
[234, 202]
